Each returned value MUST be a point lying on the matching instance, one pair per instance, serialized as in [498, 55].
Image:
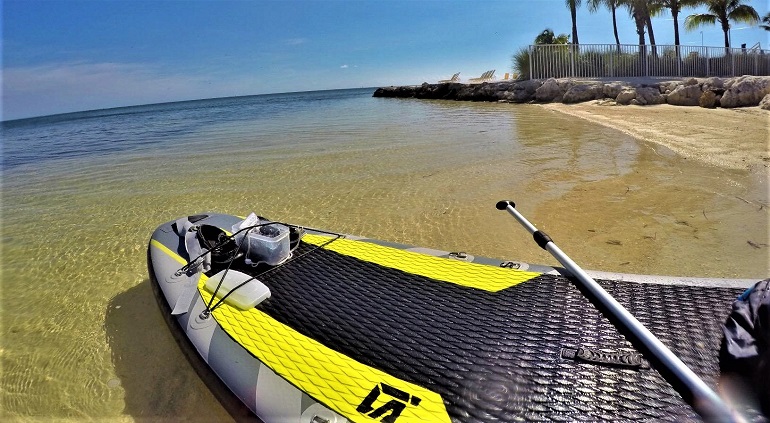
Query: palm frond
[766, 22]
[744, 13]
[692, 22]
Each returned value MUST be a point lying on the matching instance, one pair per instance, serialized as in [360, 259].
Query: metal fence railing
[630, 60]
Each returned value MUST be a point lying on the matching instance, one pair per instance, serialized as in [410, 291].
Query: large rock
[496, 91]
[583, 92]
[649, 96]
[612, 89]
[463, 92]
[389, 92]
[746, 91]
[708, 99]
[466, 93]
[713, 83]
[523, 91]
[625, 96]
[765, 103]
[551, 90]
[448, 91]
[669, 87]
[485, 92]
[685, 95]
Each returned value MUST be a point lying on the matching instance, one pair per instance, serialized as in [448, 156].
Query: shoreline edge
[713, 92]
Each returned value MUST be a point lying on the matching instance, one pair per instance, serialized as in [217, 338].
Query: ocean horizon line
[94, 112]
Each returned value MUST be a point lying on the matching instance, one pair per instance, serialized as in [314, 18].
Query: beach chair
[505, 78]
[454, 78]
[485, 77]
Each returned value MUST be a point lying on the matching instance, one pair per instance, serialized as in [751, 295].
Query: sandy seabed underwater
[82, 335]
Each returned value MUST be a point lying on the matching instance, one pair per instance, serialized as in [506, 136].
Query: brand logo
[394, 401]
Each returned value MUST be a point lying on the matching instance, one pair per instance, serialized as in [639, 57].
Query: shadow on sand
[159, 381]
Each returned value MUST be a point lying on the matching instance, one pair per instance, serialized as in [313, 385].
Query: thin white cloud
[295, 41]
[64, 87]
[75, 86]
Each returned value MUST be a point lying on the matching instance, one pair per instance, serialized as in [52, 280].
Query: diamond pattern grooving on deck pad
[336, 380]
[495, 356]
[492, 356]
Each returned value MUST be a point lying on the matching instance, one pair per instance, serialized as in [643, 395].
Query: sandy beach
[720, 159]
[728, 138]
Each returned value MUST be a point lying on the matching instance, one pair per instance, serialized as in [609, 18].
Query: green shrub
[521, 63]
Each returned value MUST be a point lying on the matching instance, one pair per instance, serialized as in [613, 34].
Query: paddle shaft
[703, 399]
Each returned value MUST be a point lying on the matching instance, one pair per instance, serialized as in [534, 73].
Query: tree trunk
[615, 27]
[573, 11]
[726, 29]
[639, 19]
[640, 30]
[675, 15]
[651, 35]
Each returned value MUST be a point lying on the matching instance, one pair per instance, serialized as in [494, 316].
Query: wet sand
[728, 138]
[710, 219]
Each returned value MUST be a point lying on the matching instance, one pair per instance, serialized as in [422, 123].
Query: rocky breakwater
[743, 91]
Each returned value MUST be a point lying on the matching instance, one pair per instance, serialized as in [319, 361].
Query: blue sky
[63, 56]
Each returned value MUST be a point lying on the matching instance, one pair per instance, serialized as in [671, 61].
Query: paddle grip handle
[542, 239]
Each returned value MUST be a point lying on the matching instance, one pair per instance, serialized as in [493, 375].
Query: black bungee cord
[216, 248]
[210, 309]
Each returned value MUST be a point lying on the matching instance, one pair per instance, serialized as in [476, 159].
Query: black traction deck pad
[502, 356]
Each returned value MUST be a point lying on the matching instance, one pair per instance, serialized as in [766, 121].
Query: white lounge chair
[485, 77]
[454, 78]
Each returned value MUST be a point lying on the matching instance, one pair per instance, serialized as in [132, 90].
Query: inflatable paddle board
[309, 326]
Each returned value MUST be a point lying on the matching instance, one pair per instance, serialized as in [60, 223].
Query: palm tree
[675, 6]
[593, 6]
[573, 5]
[548, 37]
[723, 11]
[521, 57]
[654, 8]
[640, 13]
[766, 22]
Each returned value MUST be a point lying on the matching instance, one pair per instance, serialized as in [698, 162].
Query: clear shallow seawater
[82, 336]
